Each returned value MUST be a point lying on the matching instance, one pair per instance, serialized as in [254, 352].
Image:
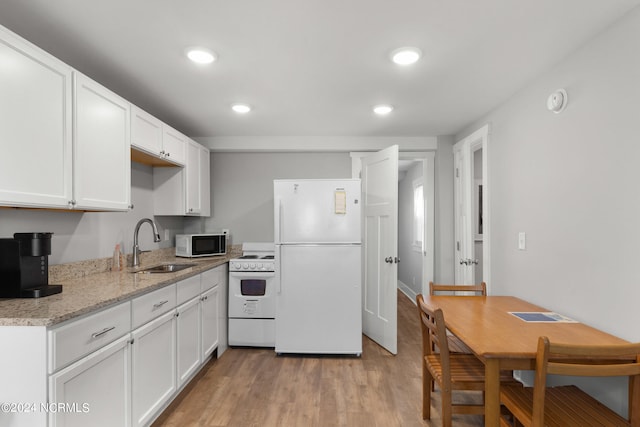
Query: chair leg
[427, 380]
[446, 407]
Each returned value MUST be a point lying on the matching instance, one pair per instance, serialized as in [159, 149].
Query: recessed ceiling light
[241, 108]
[406, 55]
[382, 110]
[200, 55]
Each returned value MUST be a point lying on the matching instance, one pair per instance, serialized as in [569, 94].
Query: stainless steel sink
[165, 268]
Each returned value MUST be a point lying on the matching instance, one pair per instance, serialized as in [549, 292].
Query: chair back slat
[433, 325]
[582, 360]
[435, 289]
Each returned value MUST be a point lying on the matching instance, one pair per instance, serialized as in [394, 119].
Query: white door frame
[464, 234]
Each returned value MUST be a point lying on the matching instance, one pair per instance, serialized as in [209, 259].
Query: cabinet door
[188, 336]
[153, 367]
[35, 111]
[96, 390]
[210, 321]
[205, 182]
[193, 185]
[146, 131]
[223, 309]
[174, 145]
[102, 149]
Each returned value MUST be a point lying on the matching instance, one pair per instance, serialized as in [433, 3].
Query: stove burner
[267, 257]
[249, 257]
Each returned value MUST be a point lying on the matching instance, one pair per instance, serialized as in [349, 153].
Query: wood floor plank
[254, 387]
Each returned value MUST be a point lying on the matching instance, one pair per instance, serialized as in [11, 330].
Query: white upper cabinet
[174, 145]
[205, 181]
[151, 136]
[61, 148]
[146, 131]
[193, 190]
[184, 191]
[35, 126]
[198, 185]
[102, 162]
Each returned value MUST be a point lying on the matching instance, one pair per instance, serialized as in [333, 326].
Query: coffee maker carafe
[24, 266]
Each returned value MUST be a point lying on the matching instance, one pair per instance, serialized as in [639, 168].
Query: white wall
[81, 236]
[444, 220]
[570, 181]
[242, 188]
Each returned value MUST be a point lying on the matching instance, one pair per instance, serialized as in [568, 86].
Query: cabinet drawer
[80, 337]
[152, 305]
[188, 289]
[212, 278]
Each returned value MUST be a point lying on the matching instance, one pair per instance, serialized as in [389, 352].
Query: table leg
[492, 392]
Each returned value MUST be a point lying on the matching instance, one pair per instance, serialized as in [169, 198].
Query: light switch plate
[522, 241]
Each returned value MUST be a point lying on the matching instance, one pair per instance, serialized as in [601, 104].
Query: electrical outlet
[167, 235]
[522, 241]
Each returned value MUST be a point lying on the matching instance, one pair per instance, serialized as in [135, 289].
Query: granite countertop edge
[94, 292]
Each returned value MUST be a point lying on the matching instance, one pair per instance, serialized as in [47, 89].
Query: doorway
[416, 243]
[471, 209]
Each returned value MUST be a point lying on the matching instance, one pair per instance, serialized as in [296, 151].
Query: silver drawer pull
[160, 304]
[102, 332]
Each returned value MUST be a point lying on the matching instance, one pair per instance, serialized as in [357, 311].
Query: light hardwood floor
[254, 387]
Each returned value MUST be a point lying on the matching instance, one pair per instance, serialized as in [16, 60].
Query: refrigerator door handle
[278, 269]
[278, 222]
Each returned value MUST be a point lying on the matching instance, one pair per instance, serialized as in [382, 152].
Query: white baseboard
[407, 291]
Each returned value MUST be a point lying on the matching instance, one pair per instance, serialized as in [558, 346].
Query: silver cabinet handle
[102, 332]
[389, 260]
[160, 304]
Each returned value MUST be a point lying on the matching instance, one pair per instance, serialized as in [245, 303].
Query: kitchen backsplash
[78, 269]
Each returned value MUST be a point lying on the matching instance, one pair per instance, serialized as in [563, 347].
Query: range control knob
[237, 265]
[260, 266]
[245, 265]
[252, 266]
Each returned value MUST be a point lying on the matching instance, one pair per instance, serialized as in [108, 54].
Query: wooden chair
[450, 371]
[455, 344]
[568, 406]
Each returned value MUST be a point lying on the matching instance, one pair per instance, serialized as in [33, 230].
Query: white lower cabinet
[153, 367]
[188, 329]
[120, 366]
[210, 323]
[95, 391]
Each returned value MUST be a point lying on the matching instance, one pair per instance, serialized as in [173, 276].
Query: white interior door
[466, 220]
[380, 247]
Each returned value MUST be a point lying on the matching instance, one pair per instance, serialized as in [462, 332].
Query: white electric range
[252, 303]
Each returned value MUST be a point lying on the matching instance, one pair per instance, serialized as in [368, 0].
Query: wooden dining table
[503, 341]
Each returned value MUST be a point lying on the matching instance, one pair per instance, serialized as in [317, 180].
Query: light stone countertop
[83, 293]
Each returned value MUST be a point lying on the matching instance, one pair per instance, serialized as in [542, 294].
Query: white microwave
[198, 245]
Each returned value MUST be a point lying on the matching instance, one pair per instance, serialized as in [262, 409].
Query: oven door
[252, 295]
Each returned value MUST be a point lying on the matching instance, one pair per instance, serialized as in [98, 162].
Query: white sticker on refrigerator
[340, 197]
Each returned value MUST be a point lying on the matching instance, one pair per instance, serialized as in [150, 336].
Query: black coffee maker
[24, 266]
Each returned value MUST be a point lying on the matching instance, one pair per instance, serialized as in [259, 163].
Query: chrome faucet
[136, 249]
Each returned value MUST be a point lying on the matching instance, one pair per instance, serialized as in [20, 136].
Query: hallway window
[418, 215]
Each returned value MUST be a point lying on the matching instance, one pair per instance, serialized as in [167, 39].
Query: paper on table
[340, 202]
[542, 316]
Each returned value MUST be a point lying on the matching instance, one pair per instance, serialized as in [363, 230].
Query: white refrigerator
[318, 266]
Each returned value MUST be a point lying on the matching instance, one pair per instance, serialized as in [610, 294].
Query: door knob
[389, 260]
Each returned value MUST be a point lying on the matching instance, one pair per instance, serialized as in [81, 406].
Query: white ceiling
[313, 67]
